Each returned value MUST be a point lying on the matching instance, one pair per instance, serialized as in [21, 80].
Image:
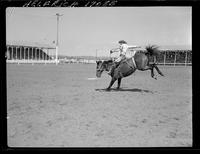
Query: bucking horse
[140, 61]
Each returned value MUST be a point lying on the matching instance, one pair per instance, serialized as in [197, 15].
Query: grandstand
[29, 53]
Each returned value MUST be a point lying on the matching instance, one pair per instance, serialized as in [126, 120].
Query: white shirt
[124, 47]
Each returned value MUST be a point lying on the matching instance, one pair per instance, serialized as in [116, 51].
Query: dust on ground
[57, 106]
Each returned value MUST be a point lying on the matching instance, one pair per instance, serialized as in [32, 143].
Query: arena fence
[174, 57]
[30, 54]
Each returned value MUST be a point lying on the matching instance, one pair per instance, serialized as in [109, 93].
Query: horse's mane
[152, 50]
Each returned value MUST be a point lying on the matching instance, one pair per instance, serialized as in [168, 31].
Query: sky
[85, 31]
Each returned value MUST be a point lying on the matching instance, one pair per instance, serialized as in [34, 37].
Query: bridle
[100, 68]
[104, 68]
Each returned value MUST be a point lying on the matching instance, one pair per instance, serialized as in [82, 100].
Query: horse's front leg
[111, 83]
[119, 83]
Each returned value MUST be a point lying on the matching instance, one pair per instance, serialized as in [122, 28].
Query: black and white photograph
[99, 76]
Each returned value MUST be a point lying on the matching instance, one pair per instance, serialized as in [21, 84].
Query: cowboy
[123, 47]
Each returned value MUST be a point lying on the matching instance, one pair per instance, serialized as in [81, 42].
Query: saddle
[130, 65]
[125, 60]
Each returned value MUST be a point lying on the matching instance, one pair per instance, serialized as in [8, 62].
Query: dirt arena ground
[61, 106]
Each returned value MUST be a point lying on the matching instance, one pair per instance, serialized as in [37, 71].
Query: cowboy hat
[122, 42]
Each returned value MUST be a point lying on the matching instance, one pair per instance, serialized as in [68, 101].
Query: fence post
[32, 55]
[28, 54]
[24, 53]
[46, 56]
[16, 53]
[20, 53]
[35, 53]
[186, 59]
[42, 54]
[164, 57]
[12, 53]
[154, 59]
[39, 53]
[175, 59]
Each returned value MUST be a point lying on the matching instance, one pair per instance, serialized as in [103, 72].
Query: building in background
[21, 52]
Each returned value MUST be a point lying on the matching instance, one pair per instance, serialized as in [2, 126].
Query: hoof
[155, 78]
[107, 89]
[161, 74]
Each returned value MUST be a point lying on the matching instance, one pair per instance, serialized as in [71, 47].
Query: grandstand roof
[30, 44]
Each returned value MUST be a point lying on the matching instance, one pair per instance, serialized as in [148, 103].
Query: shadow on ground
[123, 89]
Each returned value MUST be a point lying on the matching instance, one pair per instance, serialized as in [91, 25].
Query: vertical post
[186, 59]
[28, 54]
[49, 56]
[24, 53]
[42, 55]
[12, 53]
[20, 53]
[32, 55]
[56, 55]
[18, 57]
[154, 59]
[57, 38]
[35, 53]
[175, 59]
[16, 53]
[58, 15]
[164, 57]
[39, 53]
[46, 56]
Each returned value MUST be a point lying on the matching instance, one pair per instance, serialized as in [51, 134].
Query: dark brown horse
[128, 66]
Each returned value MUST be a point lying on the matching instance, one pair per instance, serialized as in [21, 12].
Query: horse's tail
[152, 50]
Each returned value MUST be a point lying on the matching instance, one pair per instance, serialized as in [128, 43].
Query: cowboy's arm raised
[133, 46]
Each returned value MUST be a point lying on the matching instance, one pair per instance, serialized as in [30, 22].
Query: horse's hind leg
[149, 67]
[111, 83]
[156, 67]
[119, 83]
[152, 73]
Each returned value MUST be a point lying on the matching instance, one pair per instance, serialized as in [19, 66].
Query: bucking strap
[134, 62]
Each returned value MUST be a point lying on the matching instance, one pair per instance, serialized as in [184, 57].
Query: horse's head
[103, 66]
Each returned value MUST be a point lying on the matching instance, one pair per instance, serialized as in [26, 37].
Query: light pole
[96, 54]
[58, 15]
